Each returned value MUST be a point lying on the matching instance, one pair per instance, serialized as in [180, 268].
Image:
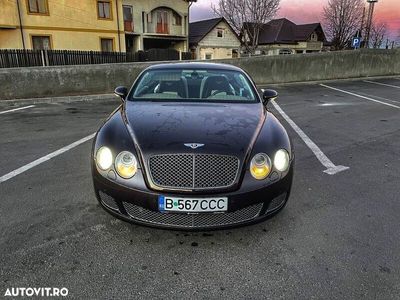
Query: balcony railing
[128, 26]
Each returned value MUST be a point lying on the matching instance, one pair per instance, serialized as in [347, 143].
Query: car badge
[194, 145]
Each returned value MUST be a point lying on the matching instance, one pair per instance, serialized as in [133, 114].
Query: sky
[310, 11]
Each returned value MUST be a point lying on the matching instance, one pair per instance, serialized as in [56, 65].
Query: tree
[247, 18]
[377, 35]
[342, 20]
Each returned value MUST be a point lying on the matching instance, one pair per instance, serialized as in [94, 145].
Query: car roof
[194, 65]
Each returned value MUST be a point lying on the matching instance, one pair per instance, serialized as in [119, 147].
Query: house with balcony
[282, 36]
[213, 39]
[98, 25]
[156, 24]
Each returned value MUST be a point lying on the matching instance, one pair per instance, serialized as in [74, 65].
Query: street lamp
[369, 20]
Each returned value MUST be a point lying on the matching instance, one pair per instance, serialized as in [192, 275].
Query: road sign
[356, 42]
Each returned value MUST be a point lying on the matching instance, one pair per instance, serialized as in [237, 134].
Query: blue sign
[356, 42]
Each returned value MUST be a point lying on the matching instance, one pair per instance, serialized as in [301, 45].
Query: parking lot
[338, 237]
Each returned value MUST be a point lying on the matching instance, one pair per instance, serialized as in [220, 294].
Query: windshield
[193, 84]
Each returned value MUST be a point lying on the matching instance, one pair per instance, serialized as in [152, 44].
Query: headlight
[260, 166]
[104, 158]
[281, 160]
[126, 164]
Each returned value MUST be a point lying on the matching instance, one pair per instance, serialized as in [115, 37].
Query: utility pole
[20, 25]
[369, 21]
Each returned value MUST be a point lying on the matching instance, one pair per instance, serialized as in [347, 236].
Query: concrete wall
[98, 79]
[321, 66]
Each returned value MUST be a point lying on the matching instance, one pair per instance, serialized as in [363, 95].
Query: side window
[177, 19]
[107, 45]
[104, 9]
[128, 18]
[220, 33]
[40, 7]
[41, 42]
[314, 37]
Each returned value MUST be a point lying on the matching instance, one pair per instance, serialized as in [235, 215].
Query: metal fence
[13, 58]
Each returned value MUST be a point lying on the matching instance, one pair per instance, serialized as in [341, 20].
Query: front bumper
[141, 206]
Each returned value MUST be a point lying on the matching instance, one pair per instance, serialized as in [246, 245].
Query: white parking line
[384, 84]
[15, 109]
[332, 169]
[360, 96]
[44, 158]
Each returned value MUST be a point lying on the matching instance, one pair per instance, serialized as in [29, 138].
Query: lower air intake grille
[193, 220]
[277, 203]
[108, 201]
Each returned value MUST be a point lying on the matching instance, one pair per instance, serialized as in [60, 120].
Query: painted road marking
[15, 109]
[384, 84]
[45, 158]
[331, 168]
[360, 96]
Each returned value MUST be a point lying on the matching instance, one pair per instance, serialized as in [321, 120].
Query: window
[177, 19]
[128, 18]
[38, 7]
[235, 53]
[104, 9]
[41, 42]
[220, 33]
[162, 22]
[208, 55]
[285, 51]
[107, 45]
[205, 85]
[314, 37]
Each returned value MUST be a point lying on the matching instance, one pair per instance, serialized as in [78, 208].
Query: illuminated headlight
[104, 158]
[260, 166]
[281, 160]
[126, 164]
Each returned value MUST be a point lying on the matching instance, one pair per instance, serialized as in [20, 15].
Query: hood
[224, 128]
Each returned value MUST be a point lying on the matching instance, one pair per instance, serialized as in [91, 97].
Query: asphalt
[338, 237]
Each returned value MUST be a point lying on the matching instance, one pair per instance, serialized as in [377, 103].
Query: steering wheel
[218, 92]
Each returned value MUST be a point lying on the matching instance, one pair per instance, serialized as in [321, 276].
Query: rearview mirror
[269, 95]
[121, 92]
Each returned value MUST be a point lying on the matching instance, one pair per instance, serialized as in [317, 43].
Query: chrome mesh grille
[172, 170]
[193, 220]
[193, 171]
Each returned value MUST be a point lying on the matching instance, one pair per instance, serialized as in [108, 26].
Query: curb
[62, 99]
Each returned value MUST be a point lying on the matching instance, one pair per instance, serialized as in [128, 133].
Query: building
[213, 39]
[156, 24]
[98, 25]
[282, 36]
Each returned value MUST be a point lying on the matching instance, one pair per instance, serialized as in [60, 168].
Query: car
[192, 146]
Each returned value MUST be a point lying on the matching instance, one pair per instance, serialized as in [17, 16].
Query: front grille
[193, 171]
[193, 220]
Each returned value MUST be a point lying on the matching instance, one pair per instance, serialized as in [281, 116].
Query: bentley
[193, 146]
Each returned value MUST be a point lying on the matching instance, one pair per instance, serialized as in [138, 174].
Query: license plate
[192, 205]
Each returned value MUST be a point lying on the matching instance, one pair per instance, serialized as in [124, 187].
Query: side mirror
[269, 95]
[121, 92]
